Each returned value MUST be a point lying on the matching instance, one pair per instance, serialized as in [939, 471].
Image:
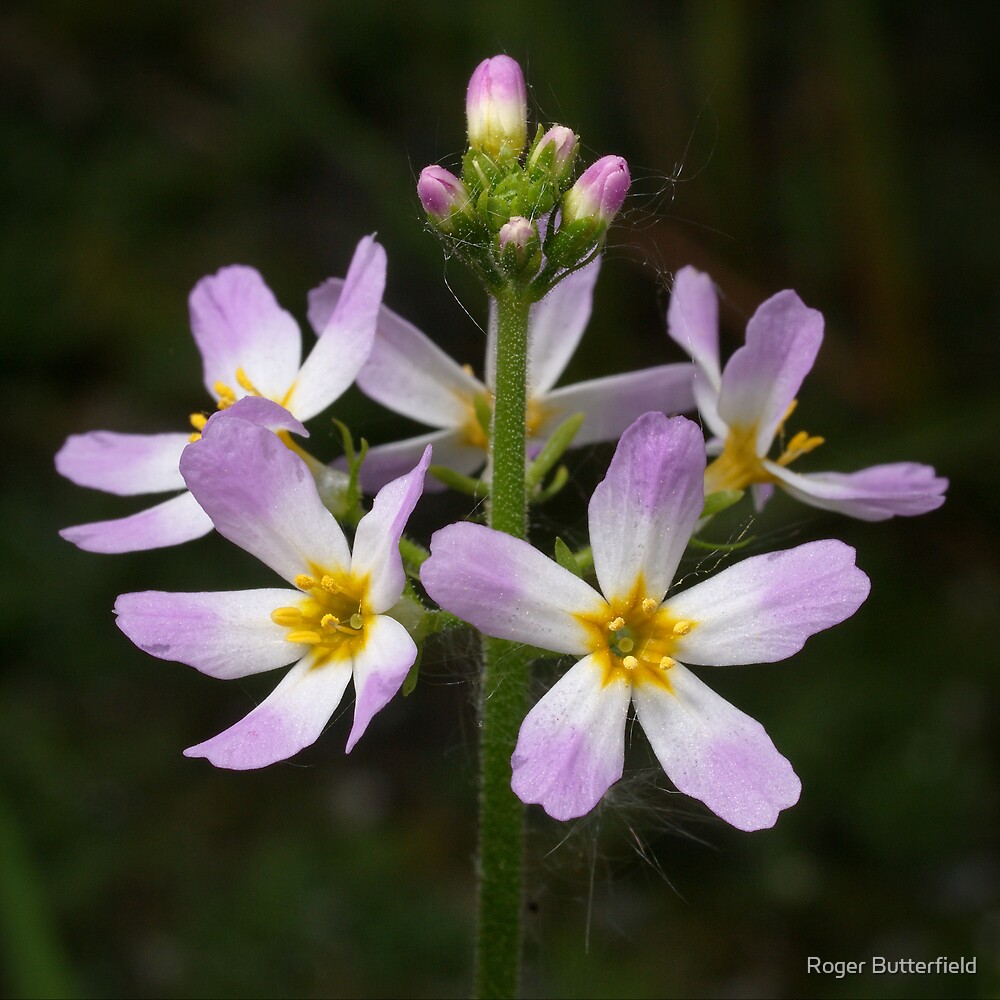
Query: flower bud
[555, 152]
[441, 193]
[496, 107]
[518, 231]
[599, 193]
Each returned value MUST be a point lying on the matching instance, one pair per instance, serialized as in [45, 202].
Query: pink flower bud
[519, 231]
[496, 107]
[441, 192]
[562, 142]
[599, 193]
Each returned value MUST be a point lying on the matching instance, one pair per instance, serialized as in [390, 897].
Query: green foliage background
[846, 149]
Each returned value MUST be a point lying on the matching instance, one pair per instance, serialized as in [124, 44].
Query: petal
[571, 747]
[693, 321]
[126, 464]
[610, 404]
[179, 519]
[379, 671]
[508, 589]
[376, 543]
[409, 374]
[645, 510]
[763, 377]
[764, 608]
[386, 462]
[346, 339]
[713, 752]
[225, 635]
[556, 324]
[289, 719]
[266, 413]
[872, 494]
[237, 323]
[262, 497]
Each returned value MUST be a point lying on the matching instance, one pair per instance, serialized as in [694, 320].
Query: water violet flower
[746, 405]
[334, 625]
[250, 347]
[409, 374]
[634, 642]
[496, 107]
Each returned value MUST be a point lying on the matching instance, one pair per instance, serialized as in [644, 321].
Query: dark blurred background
[848, 150]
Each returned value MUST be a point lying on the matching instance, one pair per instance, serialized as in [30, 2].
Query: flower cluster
[351, 607]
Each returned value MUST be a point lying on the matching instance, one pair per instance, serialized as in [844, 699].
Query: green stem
[505, 680]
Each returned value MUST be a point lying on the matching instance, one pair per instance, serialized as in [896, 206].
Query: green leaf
[565, 558]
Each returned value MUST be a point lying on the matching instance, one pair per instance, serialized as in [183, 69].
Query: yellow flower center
[636, 638]
[331, 618]
[479, 414]
[227, 396]
[739, 465]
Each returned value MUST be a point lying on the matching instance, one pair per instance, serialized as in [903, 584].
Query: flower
[441, 193]
[334, 625]
[599, 193]
[746, 406]
[496, 107]
[409, 374]
[634, 643]
[554, 153]
[250, 347]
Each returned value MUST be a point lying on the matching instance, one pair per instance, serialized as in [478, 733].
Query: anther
[630, 663]
[241, 378]
[329, 584]
[329, 622]
[304, 581]
[682, 627]
[286, 617]
[666, 662]
[469, 370]
[305, 636]
[198, 421]
[194, 437]
[648, 605]
[226, 395]
[616, 623]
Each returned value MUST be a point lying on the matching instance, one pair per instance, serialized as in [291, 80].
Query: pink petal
[409, 374]
[611, 403]
[386, 462]
[126, 464]
[508, 589]
[290, 718]
[177, 520]
[379, 670]
[763, 377]
[872, 494]
[644, 512]
[376, 543]
[571, 747]
[556, 324]
[225, 635]
[262, 497]
[237, 323]
[764, 608]
[693, 320]
[346, 338]
[713, 752]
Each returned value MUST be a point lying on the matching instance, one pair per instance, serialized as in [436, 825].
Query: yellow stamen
[469, 370]
[801, 444]
[198, 421]
[226, 395]
[630, 663]
[288, 617]
[649, 605]
[329, 622]
[241, 378]
[681, 627]
[306, 636]
[616, 623]
[329, 584]
[305, 582]
[194, 437]
[666, 662]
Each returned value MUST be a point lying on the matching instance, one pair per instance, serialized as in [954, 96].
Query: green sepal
[584, 559]
[413, 674]
[556, 483]
[461, 484]
[355, 457]
[553, 449]
[698, 543]
[565, 558]
[484, 413]
[574, 240]
[719, 501]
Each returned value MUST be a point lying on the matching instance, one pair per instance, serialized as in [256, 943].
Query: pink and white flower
[634, 642]
[409, 374]
[249, 346]
[745, 406]
[334, 626]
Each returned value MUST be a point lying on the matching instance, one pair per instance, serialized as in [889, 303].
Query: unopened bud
[441, 193]
[554, 152]
[599, 193]
[519, 231]
[496, 107]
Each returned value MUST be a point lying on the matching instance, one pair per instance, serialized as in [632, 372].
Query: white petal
[713, 752]
[126, 464]
[571, 747]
